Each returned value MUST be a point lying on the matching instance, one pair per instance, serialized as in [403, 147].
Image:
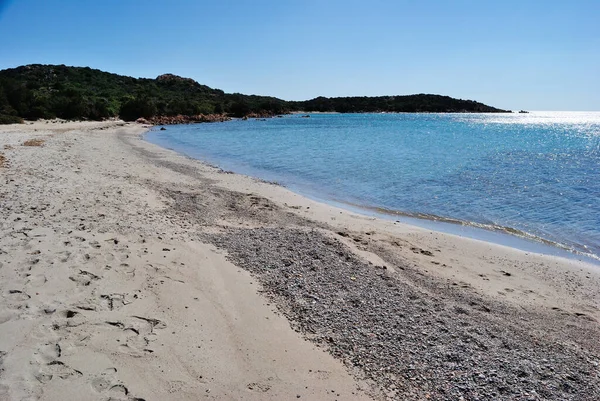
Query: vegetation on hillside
[50, 91]
[396, 104]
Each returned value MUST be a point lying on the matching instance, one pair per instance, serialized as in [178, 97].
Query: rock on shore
[184, 119]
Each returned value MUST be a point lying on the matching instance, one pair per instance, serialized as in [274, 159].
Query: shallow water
[535, 175]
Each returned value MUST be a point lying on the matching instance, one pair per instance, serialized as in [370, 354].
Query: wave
[483, 226]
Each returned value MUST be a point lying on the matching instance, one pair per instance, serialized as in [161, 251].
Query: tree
[136, 108]
[239, 108]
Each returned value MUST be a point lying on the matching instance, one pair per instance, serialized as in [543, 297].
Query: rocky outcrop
[260, 114]
[185, 119]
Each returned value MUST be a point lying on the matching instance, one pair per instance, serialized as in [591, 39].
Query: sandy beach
[130, 272]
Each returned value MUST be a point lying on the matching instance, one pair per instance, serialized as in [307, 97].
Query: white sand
[104, 294]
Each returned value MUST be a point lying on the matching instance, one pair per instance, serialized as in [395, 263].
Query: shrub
[4, 119]
[136, 108]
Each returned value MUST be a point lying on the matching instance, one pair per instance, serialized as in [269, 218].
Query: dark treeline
[57, 91]
[396, 104]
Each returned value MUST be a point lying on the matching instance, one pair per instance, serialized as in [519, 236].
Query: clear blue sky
[537, 55]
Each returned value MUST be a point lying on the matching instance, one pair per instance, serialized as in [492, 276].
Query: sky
[527, 54]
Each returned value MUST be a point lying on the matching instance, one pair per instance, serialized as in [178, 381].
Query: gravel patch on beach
[412, 343]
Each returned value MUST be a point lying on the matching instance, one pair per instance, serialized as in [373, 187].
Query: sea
[527, 180]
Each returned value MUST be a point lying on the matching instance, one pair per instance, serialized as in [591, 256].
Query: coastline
[496, 234]
[337, 267]
[343, 218]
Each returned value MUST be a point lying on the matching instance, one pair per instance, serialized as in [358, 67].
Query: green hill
[49, 91]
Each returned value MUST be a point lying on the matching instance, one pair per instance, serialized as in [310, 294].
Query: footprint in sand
[136, 334]
[56, 369]
[68, 318]
[49, 352]
[63, 257]
[421, 251]
[84, 278]
[115, 301]
[124, 269]
[16, 299]
[107, 381]
[37, 280]
[86, 305]
[584, 316]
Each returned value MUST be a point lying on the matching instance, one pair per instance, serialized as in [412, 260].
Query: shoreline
[130, 270]
[331, 213]
[495, 234]
[499, 235]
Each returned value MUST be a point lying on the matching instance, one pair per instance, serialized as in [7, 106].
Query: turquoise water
[535, 175]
